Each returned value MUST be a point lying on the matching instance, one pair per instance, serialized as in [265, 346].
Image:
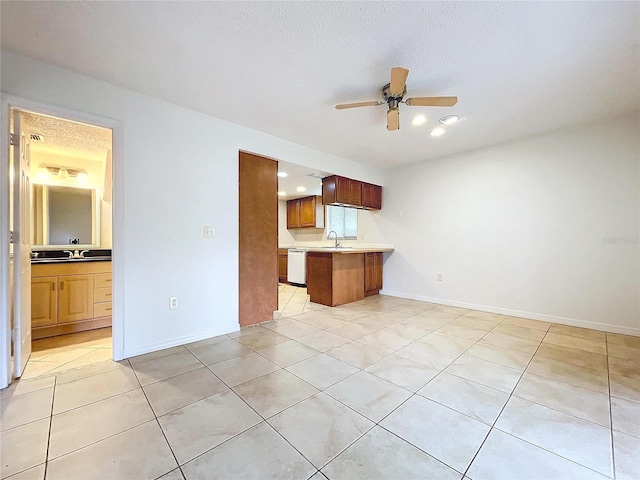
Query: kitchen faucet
[329, 236]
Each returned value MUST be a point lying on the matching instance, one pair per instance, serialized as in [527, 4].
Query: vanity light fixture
[419, 120]
[283, 174]
[450, 120]
[301, 189]
[43, 172]
[62, 172]
[438, 131]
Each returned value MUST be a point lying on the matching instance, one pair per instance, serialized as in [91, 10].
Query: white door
[21, 246]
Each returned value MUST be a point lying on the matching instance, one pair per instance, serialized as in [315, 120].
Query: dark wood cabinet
[371, 196]
[351, 193]
[307, 212]
[372, 273]
[293, 214]
[283, 258]
[341, 191]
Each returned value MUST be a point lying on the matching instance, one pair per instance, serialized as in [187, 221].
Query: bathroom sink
[71, 260]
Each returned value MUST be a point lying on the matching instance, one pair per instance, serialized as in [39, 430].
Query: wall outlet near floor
[439, 277]
[173, 303]
[209, 232]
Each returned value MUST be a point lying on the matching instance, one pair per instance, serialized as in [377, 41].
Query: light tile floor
[385, 388]
[63, 352]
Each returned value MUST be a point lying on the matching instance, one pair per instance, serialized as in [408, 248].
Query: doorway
[60, 317]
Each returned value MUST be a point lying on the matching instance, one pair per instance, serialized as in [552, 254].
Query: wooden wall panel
[258, 239]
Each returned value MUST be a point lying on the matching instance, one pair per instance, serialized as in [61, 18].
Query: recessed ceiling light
[436, 132]
[283, 174]
[282, 194]
[450, 119]
[301, 189]
[419, 120]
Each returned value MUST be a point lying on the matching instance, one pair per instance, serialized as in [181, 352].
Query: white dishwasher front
[297, 266]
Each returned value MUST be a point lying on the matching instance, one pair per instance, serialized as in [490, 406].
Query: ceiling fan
[393, 94]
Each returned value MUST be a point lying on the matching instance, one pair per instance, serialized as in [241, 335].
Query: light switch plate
[209, 232]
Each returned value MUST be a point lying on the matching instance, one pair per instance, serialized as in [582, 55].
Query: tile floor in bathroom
[385, 388]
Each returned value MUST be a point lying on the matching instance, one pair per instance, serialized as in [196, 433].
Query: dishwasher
[297, 266]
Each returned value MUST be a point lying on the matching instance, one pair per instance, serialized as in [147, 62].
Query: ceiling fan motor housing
[392, 100]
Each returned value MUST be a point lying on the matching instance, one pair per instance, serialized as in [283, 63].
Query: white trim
[174, 342]
[118, 246]
[605, 327]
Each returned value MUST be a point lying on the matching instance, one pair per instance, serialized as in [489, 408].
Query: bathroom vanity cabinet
[70, 297]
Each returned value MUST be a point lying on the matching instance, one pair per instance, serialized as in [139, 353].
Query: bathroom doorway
[61, 296]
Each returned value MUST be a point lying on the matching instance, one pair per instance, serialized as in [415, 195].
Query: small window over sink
[343, 221]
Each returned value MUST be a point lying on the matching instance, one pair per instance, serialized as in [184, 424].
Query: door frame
[8, 102]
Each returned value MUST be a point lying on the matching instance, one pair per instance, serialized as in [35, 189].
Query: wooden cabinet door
[342, 190]
[371, 196]
[283, 261]
[308, 212]
[355, 192]
[75, 298]
[44, 301]
[377, 273]
[372, 271]
[293, 214]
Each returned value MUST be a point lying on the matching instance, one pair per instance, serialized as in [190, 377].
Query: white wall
[180, 174]
[523, 228]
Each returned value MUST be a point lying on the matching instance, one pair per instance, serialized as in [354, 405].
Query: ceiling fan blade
[432, 101]
[357, 104]
[398, 80]
[393, 119]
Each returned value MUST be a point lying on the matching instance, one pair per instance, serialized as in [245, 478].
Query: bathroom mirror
[64, 217]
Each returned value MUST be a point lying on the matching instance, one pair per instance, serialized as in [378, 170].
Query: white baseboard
[174, 342]
[574, 322]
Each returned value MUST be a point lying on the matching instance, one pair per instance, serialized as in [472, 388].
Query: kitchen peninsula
[336, 276]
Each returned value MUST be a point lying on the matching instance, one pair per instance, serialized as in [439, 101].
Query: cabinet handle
[53, 286]
[107, 294]
[108, 309]
[61, 285]
[107, 279]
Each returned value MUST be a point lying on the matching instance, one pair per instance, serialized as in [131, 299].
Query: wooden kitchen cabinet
[371, 196]
[341, 191]
[372, 273]
[70, 297]
[44, 301]
[293, 214]
[351, 193]
[283, 263]
[307, 212]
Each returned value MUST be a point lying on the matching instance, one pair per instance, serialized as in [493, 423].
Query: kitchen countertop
[346, 249]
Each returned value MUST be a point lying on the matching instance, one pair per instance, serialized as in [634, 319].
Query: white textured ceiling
[68, 139]
[518, 68]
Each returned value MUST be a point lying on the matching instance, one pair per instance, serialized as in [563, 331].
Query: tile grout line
[613, 451]
[53, 398]
[503, 407]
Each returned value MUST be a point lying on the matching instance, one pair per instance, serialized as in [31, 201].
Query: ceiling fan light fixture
[438, 131]
[449, 120]
[419, 120]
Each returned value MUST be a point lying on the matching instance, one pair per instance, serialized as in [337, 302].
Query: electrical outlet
[209, 232]
[439, 277]
[173, 303]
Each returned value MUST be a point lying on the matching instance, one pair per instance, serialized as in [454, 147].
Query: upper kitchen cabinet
[371, 196]
[351, 193]
[307, 212]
